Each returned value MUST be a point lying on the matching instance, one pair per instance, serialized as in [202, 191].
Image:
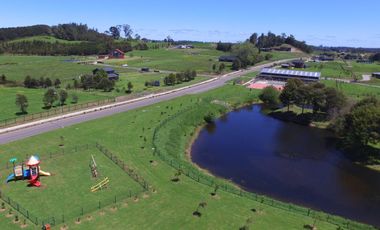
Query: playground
[80, 181]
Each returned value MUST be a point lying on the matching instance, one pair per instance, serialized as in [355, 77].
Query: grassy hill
[42, 38]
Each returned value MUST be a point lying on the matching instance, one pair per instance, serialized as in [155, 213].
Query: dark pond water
[289, 162]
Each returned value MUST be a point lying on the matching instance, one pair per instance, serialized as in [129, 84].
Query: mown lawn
[67, 191]
[129, 136]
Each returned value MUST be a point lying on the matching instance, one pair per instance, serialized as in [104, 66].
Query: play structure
[102, 184]
[95, 174]
[29, 171]
[93, 167]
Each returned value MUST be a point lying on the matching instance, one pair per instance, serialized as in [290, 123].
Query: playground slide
[34, 181]
[11, 177]
[43, 173]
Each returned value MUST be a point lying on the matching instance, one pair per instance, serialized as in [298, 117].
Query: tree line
[37, 47]
[268, 40]
[50, 97]
[357, 123]
[90, 40]
[42, 82]
[69, 31]
[178, 78]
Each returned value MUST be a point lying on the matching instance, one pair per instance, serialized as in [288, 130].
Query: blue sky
[322, 22]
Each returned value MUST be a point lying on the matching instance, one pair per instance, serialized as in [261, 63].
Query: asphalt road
[53, 125]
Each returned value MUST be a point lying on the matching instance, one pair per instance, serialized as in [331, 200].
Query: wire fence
[53, 112]
[19, 208]
[190, 171]
[82, 210]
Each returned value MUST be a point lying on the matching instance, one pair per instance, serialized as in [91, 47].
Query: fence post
[82, 211]
[115, 199]
[63, 218]
[99, 204]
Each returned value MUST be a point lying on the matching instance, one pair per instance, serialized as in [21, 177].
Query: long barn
[284, 74]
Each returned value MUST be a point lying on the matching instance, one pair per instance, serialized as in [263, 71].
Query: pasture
[172, 59]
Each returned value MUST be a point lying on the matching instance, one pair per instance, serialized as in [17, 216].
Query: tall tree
[63, 96]
[50, 97]
[22, 102]
[253, 38]
[288, 94]
[114, 31]
[127, 31]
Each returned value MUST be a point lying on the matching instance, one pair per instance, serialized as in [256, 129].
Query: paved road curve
[45, 127]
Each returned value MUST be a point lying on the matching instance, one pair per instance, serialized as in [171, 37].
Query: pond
[289, 162]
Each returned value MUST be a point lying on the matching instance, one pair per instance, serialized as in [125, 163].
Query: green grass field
[16, 68]
[44, 39]
[171, 207]
[8, 97]
[67, 191]
[354, 91]
[178, 60]
[340, 69]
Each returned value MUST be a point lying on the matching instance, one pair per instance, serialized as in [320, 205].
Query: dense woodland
[269, 40]
[89, 41]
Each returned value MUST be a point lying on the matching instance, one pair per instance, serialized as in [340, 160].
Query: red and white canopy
[33, 160]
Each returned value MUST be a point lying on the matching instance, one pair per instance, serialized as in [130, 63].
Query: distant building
[364, 61]
[283, 48]
[227, 58]
[265, 49]
[184, 47]
[118, 54]
[111, 73]
[286, 66]
[323, 58]
[299, 64]
[376, 75]
[284, 75]
[145, 69]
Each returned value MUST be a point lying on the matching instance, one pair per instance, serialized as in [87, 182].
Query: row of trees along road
[178, 78]
[50, 97]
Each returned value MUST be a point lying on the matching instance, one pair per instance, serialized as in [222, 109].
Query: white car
[124, 65]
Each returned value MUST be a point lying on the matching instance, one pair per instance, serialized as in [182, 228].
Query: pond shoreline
[190, 158]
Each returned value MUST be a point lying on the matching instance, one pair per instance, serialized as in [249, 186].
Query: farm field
[172, 59]
[16, 68]
[129, 136]
[354, 90]
[340, 69]
[8, 97]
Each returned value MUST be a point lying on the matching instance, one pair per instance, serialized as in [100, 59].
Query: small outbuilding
[117, 54]
[299, 64]
[376, 75]
[111, 73]
[227, 58]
